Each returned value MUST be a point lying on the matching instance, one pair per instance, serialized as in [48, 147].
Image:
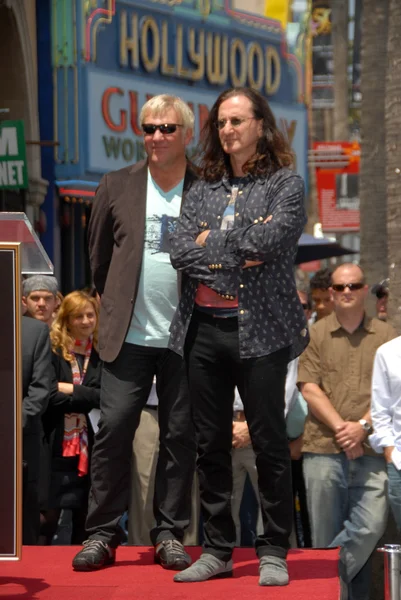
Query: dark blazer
[116, 234]
[36, 371]
[36, 384]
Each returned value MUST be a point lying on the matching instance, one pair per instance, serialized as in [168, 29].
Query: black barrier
[10, 404]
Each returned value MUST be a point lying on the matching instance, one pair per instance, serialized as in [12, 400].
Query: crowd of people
[200, 360]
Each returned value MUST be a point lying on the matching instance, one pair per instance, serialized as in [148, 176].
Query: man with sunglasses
[345, 479]
[133, 213]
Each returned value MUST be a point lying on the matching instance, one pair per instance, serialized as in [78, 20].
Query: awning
[77, 190]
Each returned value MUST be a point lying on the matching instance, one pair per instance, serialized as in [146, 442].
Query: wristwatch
[366, 426]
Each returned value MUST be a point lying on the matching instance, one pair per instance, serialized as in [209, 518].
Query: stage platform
[45, 573]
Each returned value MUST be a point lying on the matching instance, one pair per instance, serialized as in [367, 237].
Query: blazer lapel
[134, 198]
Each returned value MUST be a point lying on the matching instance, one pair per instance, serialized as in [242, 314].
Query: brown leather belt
[239, 415]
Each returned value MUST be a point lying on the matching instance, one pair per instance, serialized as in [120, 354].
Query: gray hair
[159, 104]
[39, 282]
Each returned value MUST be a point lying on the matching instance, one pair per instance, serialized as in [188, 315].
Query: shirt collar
[335, 325]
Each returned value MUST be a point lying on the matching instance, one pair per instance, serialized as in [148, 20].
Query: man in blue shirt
[133, 214]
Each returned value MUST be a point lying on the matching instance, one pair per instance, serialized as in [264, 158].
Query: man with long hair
[133, 212]
[239, 321]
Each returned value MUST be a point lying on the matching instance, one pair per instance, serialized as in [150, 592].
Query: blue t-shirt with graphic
[157, 297]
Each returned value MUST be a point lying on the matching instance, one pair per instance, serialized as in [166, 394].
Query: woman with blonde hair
[67, 425]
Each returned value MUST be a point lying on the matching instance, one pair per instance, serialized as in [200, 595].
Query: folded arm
[194, 259]
[266, 240]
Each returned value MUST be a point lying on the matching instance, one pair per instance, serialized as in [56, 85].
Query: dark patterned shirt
[270, 315]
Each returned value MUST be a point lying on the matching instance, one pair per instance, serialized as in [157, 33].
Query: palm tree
[339, 36]
[372, 181]
[393, 158]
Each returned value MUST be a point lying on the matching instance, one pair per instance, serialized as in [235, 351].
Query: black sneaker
[94, 555]
[170, 554]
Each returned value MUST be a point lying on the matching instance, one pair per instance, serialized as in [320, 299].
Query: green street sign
[13, 171]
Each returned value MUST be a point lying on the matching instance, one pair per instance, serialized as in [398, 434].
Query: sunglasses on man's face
[340, 287]
[150, 128]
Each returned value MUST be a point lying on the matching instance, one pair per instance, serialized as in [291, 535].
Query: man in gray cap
[39, 297]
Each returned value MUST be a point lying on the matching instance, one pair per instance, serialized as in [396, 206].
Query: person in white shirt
[386, 417]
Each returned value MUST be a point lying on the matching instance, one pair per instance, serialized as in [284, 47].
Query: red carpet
[45, 573]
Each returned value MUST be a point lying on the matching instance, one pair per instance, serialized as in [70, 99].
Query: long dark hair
[272, 151]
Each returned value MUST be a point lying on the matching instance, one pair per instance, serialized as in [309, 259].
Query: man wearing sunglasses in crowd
[345, 479]
[133, 213]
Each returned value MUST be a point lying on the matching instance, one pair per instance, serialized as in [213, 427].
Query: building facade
[19, 102]
[107, 57]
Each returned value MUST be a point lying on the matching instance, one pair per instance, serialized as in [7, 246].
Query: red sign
[337, 180]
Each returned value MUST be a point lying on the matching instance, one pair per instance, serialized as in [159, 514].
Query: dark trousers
[214, 369]
[125, 388]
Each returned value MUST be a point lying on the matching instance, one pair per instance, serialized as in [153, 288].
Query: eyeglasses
[235, 122]
[150, 128]
[340, 287]
[380, 295]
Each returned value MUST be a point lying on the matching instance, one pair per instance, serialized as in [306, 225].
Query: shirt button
[256, 221]
[218, 216]
[237, 214]
[241, 285]
[242, 312]
[260, 218]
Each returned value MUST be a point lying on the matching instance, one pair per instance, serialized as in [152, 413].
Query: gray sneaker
[206, 567]
[273, 571]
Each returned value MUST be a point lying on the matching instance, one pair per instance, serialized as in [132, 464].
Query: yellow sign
[277, 10]
[214, 56]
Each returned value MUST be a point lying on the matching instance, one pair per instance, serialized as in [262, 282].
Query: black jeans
[214, 369]
[125, 388]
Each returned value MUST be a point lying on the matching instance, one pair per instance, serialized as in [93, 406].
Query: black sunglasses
[340, 287]
[380, 295]
[150, 128]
